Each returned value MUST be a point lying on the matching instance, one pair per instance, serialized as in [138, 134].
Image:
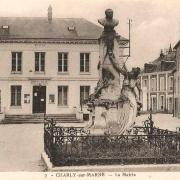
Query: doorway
[39, 99]
[162, 103]
[170, 105]
[154, 104]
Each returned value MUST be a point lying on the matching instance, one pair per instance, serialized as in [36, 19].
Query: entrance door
[162, 103]
[153, 104]
[39, 99]
[170, 102]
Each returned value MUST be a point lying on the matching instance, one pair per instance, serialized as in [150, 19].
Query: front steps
[39, 118]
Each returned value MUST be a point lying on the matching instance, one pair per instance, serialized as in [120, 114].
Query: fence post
[46, 124]
[52, 144]
[177, 147]
[126, 152]
[155, 160]
[44, 134]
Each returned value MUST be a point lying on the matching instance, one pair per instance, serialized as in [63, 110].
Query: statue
[109, 33]
[116, 100]
[131, 80]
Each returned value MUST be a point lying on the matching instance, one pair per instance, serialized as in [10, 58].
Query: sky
[155, 23]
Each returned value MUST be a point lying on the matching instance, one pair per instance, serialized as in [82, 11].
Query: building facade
[48, 65]
[46, 78]
[157, 83]
[177, 82]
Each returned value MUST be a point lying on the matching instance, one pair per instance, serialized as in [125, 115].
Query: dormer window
[4, 30]
[5, 27]
[71, 28]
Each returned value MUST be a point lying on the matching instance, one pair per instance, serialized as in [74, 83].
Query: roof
[177, 45]
[39, 27]
[164, 62]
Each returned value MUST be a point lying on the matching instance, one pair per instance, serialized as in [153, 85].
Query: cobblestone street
[21, 145]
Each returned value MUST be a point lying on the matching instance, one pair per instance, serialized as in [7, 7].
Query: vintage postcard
[89, 89]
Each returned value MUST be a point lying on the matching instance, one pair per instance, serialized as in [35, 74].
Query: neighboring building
[157, 83]
[177, 82]
[48, 65]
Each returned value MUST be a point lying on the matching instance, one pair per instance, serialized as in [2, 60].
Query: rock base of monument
[112, 119]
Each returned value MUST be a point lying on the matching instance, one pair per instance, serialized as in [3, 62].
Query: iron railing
[75, 146]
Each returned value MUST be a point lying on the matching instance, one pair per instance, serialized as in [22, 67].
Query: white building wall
[51, 78]
[51, 58]
[155, 89]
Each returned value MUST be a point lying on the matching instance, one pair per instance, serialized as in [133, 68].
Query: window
[171, 79]
[4, 30]
[62, 62]
[15, 95]
[39, 61]
[84, 93]
[153, 84]
[62, 95]
[5, 27]
[16, 61]
[84, 62]
[145, 83]
[162, 84]
[71, 28]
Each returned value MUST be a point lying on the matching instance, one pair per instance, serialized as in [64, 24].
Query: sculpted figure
[114, 104]
[109, 64]
[109, 33]
[132, 84]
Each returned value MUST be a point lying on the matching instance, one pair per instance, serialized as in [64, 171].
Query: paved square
[21, 146]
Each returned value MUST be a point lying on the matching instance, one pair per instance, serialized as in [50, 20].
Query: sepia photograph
[90, 88]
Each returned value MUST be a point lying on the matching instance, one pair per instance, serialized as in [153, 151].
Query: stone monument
[113, 105]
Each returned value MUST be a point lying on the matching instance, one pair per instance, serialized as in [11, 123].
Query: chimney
[50, 14]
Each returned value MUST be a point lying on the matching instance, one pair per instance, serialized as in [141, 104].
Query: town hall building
[48, 65]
